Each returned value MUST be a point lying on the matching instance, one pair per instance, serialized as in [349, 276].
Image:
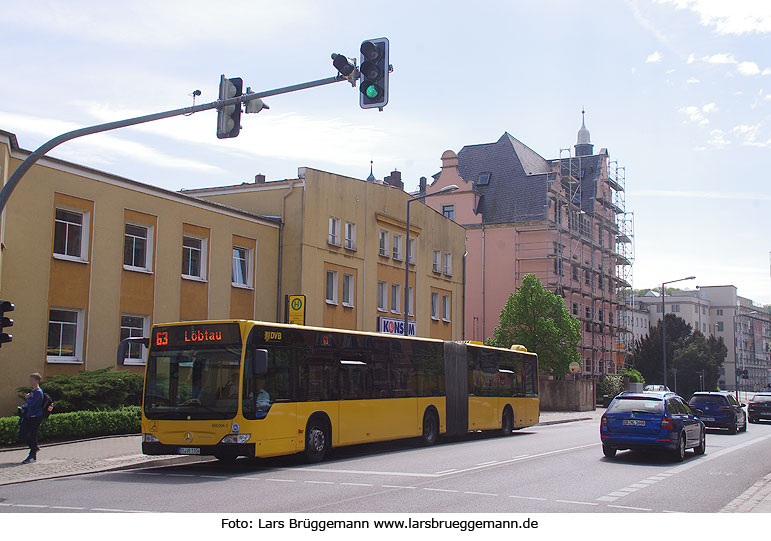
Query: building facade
[344, 247]
[91, 258]
[563, 220]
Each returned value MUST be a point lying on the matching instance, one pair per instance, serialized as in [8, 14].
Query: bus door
[357, 414]
[483, 376]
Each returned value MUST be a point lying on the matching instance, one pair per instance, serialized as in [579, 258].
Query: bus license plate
[189, 451]
[633, 422]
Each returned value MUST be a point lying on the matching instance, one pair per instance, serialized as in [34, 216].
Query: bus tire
[507, 422]
[430, 427]
[226, 458]
[317, 439]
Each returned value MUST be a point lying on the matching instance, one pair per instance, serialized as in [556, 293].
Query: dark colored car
[651, 421]
[759, 407]
[718, 409]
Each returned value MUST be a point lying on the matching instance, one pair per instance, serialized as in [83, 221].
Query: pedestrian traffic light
[5, 306]
[229, 116]
[374, 73]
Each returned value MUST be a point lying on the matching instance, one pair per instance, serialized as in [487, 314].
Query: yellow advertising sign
[295, 309]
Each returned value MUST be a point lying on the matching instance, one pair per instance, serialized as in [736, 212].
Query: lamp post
[446, 189]
[663, 322]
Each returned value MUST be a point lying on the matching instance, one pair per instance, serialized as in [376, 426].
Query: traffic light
[229, 116]
[374, 73]
[5, 306]
[342, 64]
[255, 106]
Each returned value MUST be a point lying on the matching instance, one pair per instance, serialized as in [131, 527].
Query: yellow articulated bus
[246, 388]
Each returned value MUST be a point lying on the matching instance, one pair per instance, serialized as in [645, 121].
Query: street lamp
[446, 189]
[663, 322]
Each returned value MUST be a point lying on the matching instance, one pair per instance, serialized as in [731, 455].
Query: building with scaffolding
[564, 220]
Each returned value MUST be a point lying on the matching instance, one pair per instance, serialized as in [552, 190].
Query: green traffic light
[372, 91]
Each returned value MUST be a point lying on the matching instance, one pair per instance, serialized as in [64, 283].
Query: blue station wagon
[719, 410]
[651, 421]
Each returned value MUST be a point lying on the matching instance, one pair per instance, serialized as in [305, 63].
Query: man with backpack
[32, 411]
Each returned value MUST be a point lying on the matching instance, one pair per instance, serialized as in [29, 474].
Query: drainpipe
[484, 304]
[281, 251]
[463, 300]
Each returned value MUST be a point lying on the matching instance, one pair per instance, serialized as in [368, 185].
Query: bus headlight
[236, 438]
[149, 438]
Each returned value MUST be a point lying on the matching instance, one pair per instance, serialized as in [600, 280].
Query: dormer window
[483, 179]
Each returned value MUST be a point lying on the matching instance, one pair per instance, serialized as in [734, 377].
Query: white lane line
[362, 472]
[440, 490]
[146, 473]
[446, 471]
[68, 508]
[713, 456]
[108, 510]
[657, 478]
[529, 498]
[606, 499]
[665, 511]
[244, 478]
[628, 489]
[282, 480]
[320, 482]
[396, 486]
[479, 493]
[618, 494]
[630, 508]
[357, 484]
[488, 462]
[212, 476]
[5, 504]
[577, 503]
[180, 475]
[637, 485]
[33, 506]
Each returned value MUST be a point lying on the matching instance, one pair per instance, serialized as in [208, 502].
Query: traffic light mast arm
[41, 151]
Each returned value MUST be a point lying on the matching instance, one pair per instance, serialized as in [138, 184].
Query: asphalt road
[558, 468]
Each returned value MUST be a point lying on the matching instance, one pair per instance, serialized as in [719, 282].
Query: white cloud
[691, 59]
[729, 17]
[720, 58]
[671, 70]
[653, 58]
[709, 107]
[693, 81]
[694, 115]
[750, 135]
[748, 68]
[717, 139]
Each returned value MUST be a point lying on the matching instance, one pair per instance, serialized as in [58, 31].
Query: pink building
[561, 219]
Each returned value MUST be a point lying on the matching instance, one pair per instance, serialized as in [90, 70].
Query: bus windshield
[191, 382]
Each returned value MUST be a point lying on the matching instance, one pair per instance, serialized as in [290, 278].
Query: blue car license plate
[707, 418]
[633, 422]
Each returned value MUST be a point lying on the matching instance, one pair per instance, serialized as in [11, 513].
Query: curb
[154, 463]
[563, 421]
[67, 442]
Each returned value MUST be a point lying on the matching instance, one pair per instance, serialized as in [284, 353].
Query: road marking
[638, 485]
[446, 471]
[362, 472]
[618, 494]
[357, 484]
[5, 504]
[320, 482]
[529, 498]
[180, 475]
[479, 493]
[712, 456]
[489, 462]
[34, 506]
[628, 489]
[68, 508]
[282, 480]
[146, 473]
[108, 510]
[440, 489]
[649, 481]
[395, 486]
[630, 508]
[606, 499]
[212, 476]
[577, 503]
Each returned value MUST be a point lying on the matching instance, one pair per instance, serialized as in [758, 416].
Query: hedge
[77, 424]
[92, 390]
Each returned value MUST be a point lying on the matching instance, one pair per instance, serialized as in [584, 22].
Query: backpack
[48, 405]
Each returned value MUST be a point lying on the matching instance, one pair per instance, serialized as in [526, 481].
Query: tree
[538, 319]
[646, 354]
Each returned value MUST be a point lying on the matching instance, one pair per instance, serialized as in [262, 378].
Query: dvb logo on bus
[396, 326]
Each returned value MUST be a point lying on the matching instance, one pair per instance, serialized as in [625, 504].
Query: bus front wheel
[430, 428]
[316, 441]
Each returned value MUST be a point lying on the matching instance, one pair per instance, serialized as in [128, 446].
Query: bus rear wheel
[430, 428]
[316, 441]
[507, 423]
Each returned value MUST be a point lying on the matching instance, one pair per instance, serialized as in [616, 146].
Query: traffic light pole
[25, 166]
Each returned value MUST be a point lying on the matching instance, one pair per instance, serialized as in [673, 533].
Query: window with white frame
[331, 287]
[435, 306]
[396, 297]
[334, 231]
[446, 307]
[384, 243]
[397, 247]
[193, 257]
[350, 235]
[381, 296]
[411, 300]
[242, 267]
[134, 326]
[348, 291]
[411, 252]
[448, 264]
[70, 238]
[437, 267]
[64, 334]
[448, 211]
[137, 247]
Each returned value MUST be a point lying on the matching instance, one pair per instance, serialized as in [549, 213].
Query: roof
[136, 185]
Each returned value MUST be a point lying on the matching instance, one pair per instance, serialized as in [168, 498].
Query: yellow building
[343, 246]
[90, 257]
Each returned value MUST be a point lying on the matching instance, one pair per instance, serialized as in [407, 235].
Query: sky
[678, 91]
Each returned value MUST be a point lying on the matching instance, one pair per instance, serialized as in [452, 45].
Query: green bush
[77, 424]
[634, 375]
[92, 390]
[610, 386]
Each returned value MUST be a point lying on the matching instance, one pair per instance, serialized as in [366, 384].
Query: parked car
[719, 409]
[662, 388]
[651, 421]
[759, 407]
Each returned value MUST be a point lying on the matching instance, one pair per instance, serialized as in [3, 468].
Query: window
[437, 261]
[588, 312]
[588, 326]
[63, 334]
[384, 243]
[193, 257]
[483, 179]
[719, 312]
[381, 296]
[575, 273]
[448, 264]
[658, 308]
[411, 301]
[610, 317]
[241, 271]
[719, 326]
[675, 308]
[446, 307]
[448, 211]
[136, 247]
[348, 293]
[331, 287]
[397, 248]
[411, 252]
[435, 306]
[396, 296]
[575, 308]
[350, 236]
[334, 231]
[601, 314]
[587, 277]
[133, 327]
[69, 233]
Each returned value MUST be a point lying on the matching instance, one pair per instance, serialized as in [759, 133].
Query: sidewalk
[756, 499]
[559, 417]
[88, 456]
